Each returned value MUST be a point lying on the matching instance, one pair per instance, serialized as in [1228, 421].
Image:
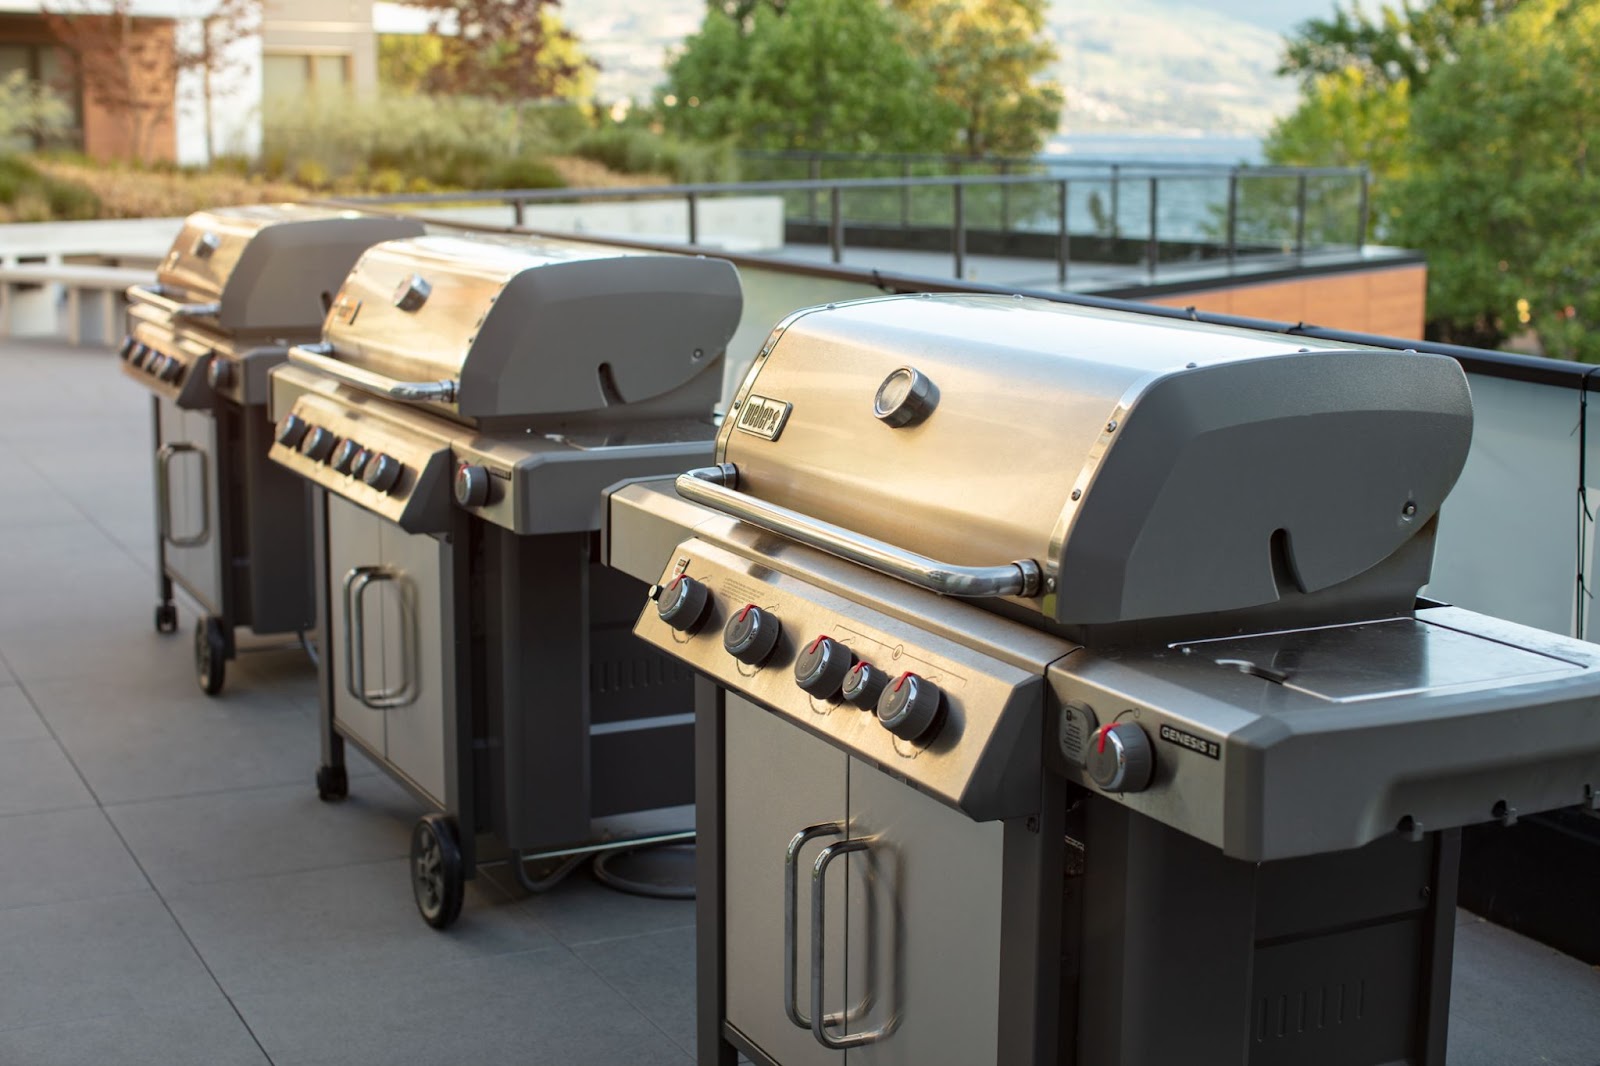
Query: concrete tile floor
[173, 893]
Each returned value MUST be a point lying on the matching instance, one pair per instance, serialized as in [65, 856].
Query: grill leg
[166, 611]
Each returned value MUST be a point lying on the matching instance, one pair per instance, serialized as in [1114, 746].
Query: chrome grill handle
[156, 296]
[355, 635]
[791, 920]
[164, 522]
[714, 487]
[316, 357]
[819, 895]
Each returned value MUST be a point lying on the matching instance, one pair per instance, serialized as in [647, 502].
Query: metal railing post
[1116, 195]
[959, 230]
[517, 212]
[1005, 197]
[1152, 249]
[1300, 218]
[813, 173]
[1233, 214]
[1364, 221]
[905, 194]
[1064, 243]
[836, 223]
[694, 218]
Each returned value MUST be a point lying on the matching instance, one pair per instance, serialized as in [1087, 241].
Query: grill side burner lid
[265, 267]
[528, 327]
[1099, 466]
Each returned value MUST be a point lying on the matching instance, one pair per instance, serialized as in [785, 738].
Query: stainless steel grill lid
[265, 267]
[527, 327]
[1099, 466]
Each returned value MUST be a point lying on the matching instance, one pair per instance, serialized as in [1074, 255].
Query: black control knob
[291, 430]
[863, 685]
[359, 463]
[128, 347]
[1120, 758]
[822, 666]
[682, 602]
[154, 362]
[908, 707]
[219, 373]
[170, 370]
[139, 354]
[317, 443]
[344, 456]
[751, 635]
[472, 485]
[382, 472]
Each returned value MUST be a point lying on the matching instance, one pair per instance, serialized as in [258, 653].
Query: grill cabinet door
[354, 546]
[925, 909]
[417, 637]
[188, 440]
[779, 781]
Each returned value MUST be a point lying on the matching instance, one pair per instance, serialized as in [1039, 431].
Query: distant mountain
[1164, 66]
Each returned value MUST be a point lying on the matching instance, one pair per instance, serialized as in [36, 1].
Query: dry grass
[580, 173]
[128, 193]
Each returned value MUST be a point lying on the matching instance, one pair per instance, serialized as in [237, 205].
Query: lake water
[1147, 148]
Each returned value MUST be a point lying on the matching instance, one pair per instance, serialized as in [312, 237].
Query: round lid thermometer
[905, 398]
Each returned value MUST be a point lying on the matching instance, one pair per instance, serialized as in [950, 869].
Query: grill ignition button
[682, 602]
[908, 707]
[822, 666]
[751, 635]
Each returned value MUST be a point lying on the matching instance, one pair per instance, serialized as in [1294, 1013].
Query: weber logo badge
[1209, 748]
[763, 417]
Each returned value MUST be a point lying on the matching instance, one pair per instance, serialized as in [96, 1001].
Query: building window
[287, 75]
[44, 64]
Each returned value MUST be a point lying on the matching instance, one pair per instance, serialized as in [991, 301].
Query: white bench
[55, 299]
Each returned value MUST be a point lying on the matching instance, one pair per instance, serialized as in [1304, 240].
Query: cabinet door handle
[405, 691]
[164, 459]
[791, 920]
[819, 895]
[355, 663]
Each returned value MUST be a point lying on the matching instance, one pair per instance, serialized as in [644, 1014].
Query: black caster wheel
[166, 618]
[333, 783]
[437, 880]
[210, 655]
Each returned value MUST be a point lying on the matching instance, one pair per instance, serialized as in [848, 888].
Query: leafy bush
[29, 110]
[636, 150]
[448, 142]
[26, 195]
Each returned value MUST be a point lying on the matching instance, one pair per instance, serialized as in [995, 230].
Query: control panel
[946, 719]
[388, 461]
[171, 365]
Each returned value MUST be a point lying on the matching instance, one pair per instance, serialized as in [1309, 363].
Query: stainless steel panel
[982, 759]
[193, 504]
[925, 913]
[779, 781]
[418, 648]
[1151, 468]
[1445, 721]
[1377, 660]
[354, 541]
[1026, 390]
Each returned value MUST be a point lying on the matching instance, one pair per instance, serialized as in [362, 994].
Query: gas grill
[469, 402]
[237, 287]
[1075, 658]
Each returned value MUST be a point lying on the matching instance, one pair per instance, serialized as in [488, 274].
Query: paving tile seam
[629, 936]
[304, 779]
[13, 908]
[165, 904]
[629, 999]
[50, 810]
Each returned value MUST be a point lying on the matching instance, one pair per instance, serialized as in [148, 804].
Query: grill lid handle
[316, 357]
[156, 296]
[713, 486]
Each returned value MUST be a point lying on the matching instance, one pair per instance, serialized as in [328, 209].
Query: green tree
[986, 57]
[1394, 44]
[1503, 193]
[819, 75]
